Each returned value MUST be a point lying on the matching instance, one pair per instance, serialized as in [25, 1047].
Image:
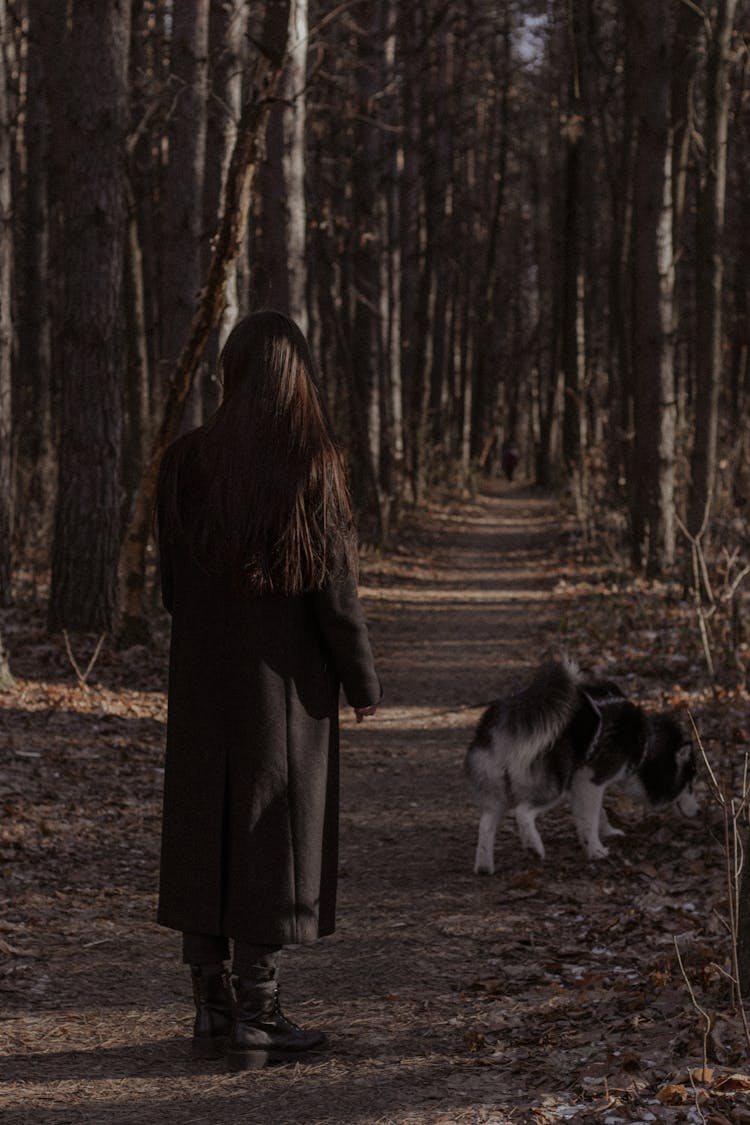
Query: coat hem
[297, 937]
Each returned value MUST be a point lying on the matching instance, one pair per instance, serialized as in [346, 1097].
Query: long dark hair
[259, 493]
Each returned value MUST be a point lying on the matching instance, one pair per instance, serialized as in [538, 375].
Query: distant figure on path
[258, 563]
[509, 458]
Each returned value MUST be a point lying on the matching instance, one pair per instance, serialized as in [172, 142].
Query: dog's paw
[484, 869]
[612, 831]
[530, 845]
[530, 840]
[597, 851]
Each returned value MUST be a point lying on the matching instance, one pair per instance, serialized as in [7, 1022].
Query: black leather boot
[214, 1010]
[261, 1033]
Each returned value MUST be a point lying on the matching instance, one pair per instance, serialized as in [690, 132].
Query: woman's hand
[363, 712]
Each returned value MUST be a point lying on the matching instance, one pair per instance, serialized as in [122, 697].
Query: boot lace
[280, 1016]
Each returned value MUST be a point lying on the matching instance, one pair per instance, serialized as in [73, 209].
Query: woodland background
[496, 220]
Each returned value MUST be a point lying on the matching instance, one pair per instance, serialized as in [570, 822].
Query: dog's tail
[519, 728]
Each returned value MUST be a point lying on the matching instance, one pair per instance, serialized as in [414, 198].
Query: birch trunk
[281, 273]
[710, 266]
[653, 287]
[577, 133]
[7, 683]
[294, 162]
[227, 32]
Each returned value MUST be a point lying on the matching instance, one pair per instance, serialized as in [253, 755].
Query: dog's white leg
[527, 829]
[586, 803]
[607, 829]
[484, 863]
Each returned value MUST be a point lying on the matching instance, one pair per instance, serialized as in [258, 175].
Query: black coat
[250, 829]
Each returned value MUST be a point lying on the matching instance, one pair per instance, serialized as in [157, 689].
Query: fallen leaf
[674, 1094]
[732, 1083]
[474, 1040]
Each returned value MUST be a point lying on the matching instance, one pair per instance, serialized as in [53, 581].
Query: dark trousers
[259, 962]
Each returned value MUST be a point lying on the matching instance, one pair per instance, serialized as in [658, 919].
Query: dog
[565, 735]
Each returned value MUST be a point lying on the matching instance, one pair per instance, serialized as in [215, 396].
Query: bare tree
[6, 335]
[687, 41]
[228, 30]
[710, 264]
[488, 420]
[467, 203]
[227, 36]
[577, 131]
[6, 676]
[85, 61]
[183, 201]
[35, 475]
[365, 350]
[227, 243]
[295, 113]
[281, 268]
[653, 286]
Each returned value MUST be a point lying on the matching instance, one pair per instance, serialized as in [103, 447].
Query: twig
[734, 855]
[733, 587]
[83, 676]
[717, 790]
[696, 1005]
[700, 576]
[722, 922]
[696, 1093]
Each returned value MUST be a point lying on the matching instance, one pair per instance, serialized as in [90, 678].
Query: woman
[257, 562]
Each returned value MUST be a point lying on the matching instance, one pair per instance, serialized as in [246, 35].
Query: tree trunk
[138, 389]
[150, 102]
[281, 272]
[710, 266]
[295, 114]
[392, 453]
[246, 156]
[464, 365]
[365, 340]
[548, 198]
[6, 329]
[688, 29]
[227, 33]
[183, 204]
[270, 268]
[7, 683]
[408, 232]
[620, 166]
[743, 923]
[87, 70]
[577, 133]
[141, 272]
[653, 286]
[487, 374]
[32, 388]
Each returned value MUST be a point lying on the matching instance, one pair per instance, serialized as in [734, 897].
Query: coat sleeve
[339, 614]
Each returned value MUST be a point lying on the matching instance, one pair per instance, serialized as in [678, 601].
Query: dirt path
[530, 996]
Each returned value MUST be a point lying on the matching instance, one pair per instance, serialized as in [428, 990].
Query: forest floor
[548, 992]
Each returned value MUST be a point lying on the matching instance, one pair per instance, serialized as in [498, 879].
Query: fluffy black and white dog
[565, 734]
